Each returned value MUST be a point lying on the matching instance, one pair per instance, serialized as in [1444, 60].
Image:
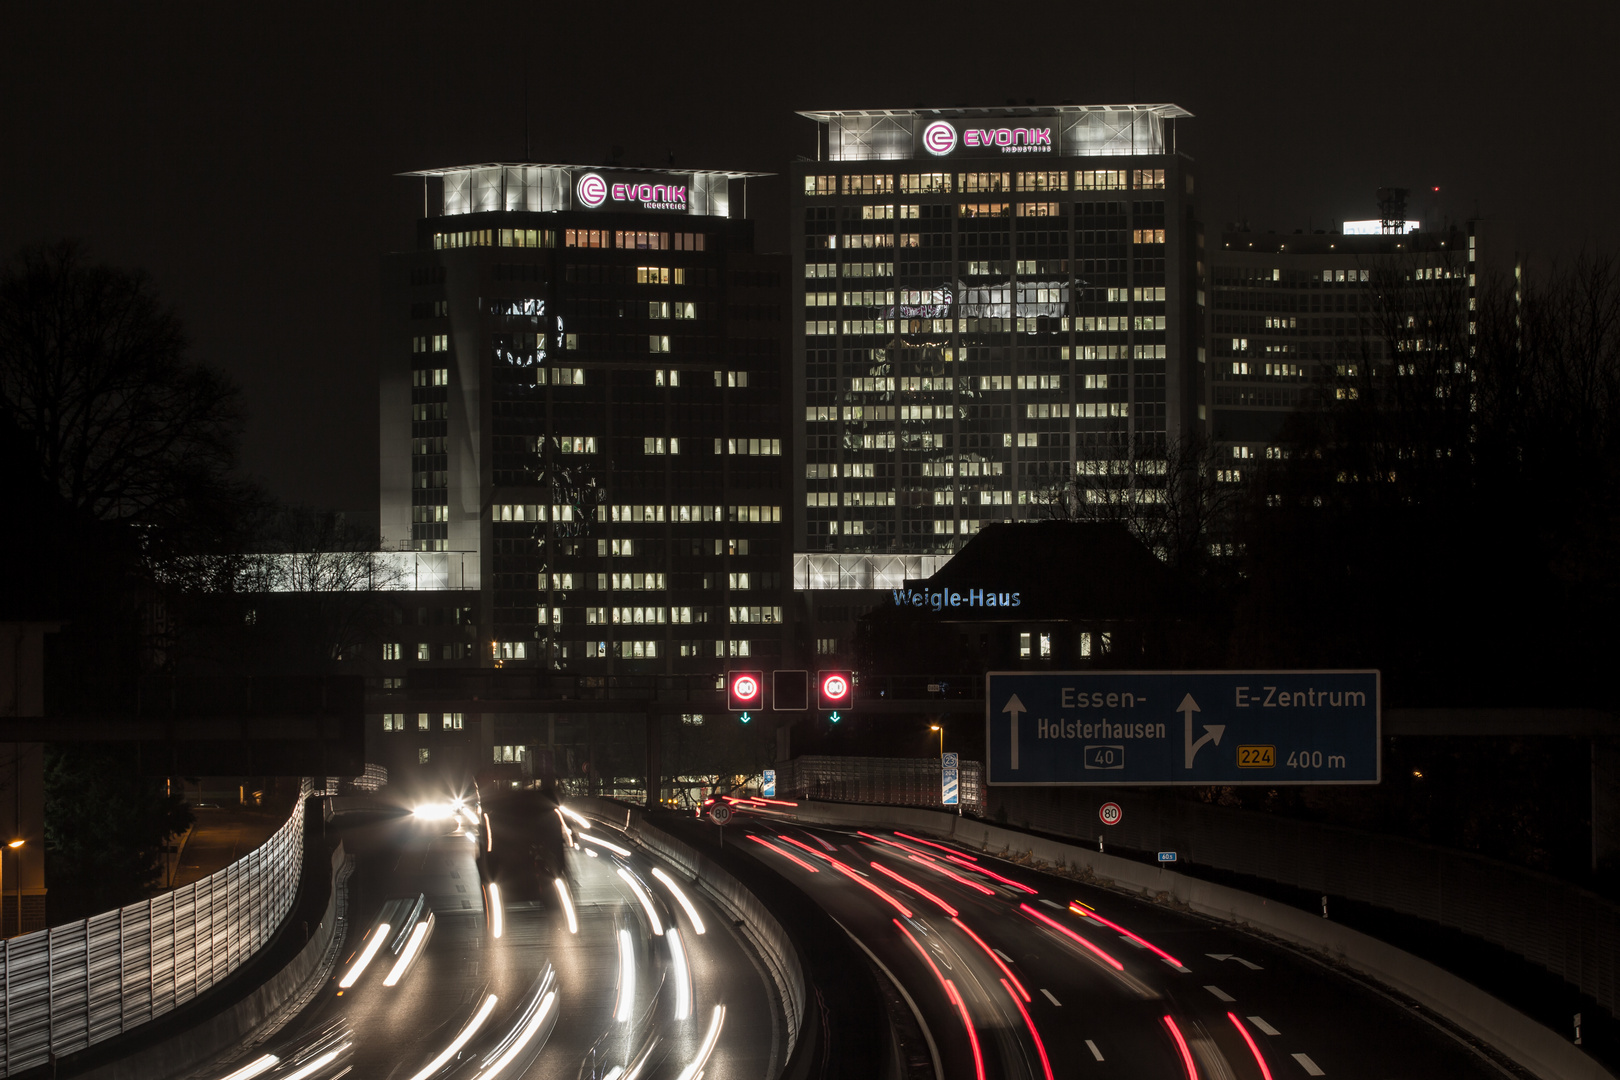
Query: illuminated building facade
[582, 409]
[991, 303]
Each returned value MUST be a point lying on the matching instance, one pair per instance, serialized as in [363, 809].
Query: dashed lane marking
[1220, 995]
[1096, 1053]
[1053, 904]
[1003, 955]
[1308, 1065]
[1050, 998]
[1263, 1026]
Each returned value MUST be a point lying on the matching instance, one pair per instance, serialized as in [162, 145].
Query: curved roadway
[560, 1008]
[1015, 973]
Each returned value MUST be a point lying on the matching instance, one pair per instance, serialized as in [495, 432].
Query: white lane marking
[1096, 1053]
[1132, 942]
[1050, 998]
[1228, 956]
[1220, 995]
[1308, 1065]
[1053, 904]
[1263, 1026]
[1003, 955]
[1178, 967]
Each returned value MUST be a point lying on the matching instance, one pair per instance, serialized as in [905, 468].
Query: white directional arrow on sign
[1014, 706]
[1212, 732]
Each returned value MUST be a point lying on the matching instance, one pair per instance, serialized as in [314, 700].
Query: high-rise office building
[1295, 316]
[991, 303]
[582, 409]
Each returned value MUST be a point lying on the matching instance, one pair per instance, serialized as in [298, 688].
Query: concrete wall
[1528, 1043]
[239, 1023]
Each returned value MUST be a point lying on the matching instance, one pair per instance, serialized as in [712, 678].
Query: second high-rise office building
[992, 303]
[581, 408]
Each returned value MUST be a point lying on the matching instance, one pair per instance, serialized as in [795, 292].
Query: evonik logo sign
[593, 191]
[940, 138]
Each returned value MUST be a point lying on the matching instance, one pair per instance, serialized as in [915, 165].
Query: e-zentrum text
[1270, 697]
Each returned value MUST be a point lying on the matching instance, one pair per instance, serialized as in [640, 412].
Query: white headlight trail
[680, 898]
[599, 842]
[318, 1064]
[459, 1041]
[627, 978]
[376, 942]
[418, 935]
[646, 901]
[497, 917]
[683, 976]
[523, 1039]
[253, 1068]
[709, 1039]
[578, 818]
[567, 906]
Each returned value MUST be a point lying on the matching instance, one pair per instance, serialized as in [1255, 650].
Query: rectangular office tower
[581, 395]
[1296, 318]
[992, 304]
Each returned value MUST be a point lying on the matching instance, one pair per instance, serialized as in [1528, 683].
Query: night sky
[245, 155]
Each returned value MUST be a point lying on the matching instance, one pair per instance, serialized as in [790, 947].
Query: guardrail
[69, 987]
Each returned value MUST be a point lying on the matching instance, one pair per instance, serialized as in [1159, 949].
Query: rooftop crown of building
[1032, 130]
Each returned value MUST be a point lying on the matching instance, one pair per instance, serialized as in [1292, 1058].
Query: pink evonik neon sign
[593, 191]
[940, 138]
[1007, 137]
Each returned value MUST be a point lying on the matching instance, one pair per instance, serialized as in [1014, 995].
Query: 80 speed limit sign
[1110, 813]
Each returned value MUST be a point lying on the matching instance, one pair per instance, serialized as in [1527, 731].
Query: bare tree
[95, 379]
[1452, 502]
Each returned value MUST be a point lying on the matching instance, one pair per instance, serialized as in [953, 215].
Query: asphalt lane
[588, 1030]
[1016, 973]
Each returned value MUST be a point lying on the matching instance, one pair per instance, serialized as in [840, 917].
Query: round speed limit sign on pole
[1110, 813]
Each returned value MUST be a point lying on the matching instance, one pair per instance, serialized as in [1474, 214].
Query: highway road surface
[1009, 972]
[549, 953]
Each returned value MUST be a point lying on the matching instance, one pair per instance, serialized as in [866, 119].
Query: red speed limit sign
[1110, 813]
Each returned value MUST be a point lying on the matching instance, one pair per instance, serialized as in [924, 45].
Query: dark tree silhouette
[118, 421]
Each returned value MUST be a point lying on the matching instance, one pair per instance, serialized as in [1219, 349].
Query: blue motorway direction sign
[947, 787]
[1182, 727]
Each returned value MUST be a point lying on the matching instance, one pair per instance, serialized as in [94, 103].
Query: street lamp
[16, 868]
[941, 729]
